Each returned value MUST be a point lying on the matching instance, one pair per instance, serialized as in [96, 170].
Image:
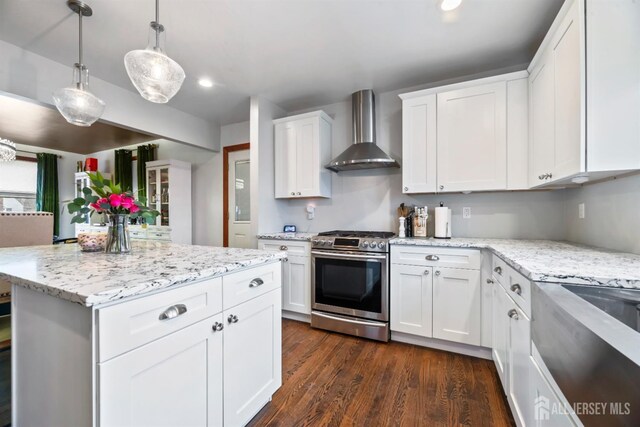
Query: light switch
[581, 211]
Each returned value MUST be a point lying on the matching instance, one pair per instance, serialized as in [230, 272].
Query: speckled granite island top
[552, 261]
[64, 271]
[303, 237]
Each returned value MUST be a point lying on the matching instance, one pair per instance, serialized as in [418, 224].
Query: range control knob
[328, 242]
[315, 241]
[365, 244]
[381, 245]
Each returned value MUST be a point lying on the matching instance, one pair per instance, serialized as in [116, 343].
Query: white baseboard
[300, 317]
[454, 347]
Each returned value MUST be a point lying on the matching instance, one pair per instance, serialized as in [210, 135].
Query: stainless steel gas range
[350, 283]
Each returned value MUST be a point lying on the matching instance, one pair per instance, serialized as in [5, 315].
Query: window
[18, 181]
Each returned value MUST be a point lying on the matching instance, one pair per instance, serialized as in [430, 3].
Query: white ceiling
[297, 53]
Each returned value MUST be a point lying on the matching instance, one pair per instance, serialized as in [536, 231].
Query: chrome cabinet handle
[426, 272]
[406, 188]
[442, 187]
[437, 273]
[173, 311]
[283, 248]
[293, 194]
[432, 258]
[299, 193]
[515, 288]
[498, 270]
[217, 327]
[490, 282]
[232, 318]
[256, 282]
[513, 314]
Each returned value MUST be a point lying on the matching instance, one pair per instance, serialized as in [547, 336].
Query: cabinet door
[176, 380]
[419, 145]
[285, 159]
[472, 138]
[520, 364]
[541, 121]
[568, 66]
[411, 299]
[307, 162]
[543, 400]
[252, 356]
[456, 305]
[296, 284]
[500, 329]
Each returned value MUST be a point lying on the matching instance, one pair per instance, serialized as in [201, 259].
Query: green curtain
[123, 173]
[146, 153]
[47, 188]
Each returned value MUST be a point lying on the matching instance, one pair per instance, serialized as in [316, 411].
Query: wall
[66, 183]
[369, 199]
[611, 214]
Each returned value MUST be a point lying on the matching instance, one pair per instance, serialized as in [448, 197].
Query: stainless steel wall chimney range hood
[363, 153]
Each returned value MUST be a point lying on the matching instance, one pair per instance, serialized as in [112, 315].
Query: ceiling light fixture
[156, 76]
[7, 150]
[76, 103]
[449, 5]
[205, 82]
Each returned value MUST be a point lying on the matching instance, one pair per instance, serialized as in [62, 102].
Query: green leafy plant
[109, 198]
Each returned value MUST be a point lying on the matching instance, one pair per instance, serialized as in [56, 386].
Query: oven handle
[359, 322]
[347, 256]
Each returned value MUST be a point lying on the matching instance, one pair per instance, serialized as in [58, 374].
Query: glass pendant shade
[76, 103]
[7, 150]
[156, 76]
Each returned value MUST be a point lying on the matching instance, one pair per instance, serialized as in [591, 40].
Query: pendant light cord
[157, 24]
[80, 38]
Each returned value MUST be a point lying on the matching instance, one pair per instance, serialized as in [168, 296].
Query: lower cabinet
[175, 380]
[296, 284]
[252, 357]
[411, 299]
[500, 331]
[519, 365]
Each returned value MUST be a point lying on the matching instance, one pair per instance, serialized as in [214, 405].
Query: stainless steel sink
[588, 338]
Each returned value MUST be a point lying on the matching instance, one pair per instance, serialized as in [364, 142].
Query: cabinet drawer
[247, 284]
[158, 235]
[292, 247]
[128, 325]
[515, 284]
[138, 234]
[436, 257]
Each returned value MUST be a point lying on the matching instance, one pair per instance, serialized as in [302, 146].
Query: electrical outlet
[311, 211]
[581, 214]
[466, 213]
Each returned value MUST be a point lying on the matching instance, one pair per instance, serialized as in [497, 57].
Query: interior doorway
[237, 196]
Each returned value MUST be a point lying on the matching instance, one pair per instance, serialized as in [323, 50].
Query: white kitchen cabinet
[500, 336]
[419, 139]
[469, 136]
[252, 357]
[411, 299]
[176, 380]
[456, 305]
[583, 117]
[169, 192]
[302, 149]
[519, 364]
[472, 138]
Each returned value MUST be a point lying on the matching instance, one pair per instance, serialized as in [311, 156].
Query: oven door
[351, 283]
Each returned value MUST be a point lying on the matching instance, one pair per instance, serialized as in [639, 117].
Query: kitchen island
[167, 335]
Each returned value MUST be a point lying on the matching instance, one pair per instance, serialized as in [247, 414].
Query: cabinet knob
[540, 177]
[442, 187]
[232, 318]
[293, 194]
[299, 193]
[550, 175]
[283, 248]
[498, 270]
[406, 188]
[217, 327]
[490, 282]
[285, 259]
[426, 272]
[437, 273]
[513, 313]
[256, 282]
[515, 288]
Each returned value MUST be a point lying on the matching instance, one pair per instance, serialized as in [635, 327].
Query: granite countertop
[552, 261]
[64, 271]
[303, 237]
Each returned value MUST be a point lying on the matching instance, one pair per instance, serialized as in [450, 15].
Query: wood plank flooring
[336, 380]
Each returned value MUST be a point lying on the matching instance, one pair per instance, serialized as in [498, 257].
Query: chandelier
[7, 150]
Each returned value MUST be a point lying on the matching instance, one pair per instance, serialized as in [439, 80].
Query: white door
[174, 381]
[500, 329]
[296, 284]
[239, 200]
[456, 305]
[472, 138]
[411, 299]
[541, 122]
[520, 364]
[252, 356]
[307, 175]
[419, 145]
[285, 152]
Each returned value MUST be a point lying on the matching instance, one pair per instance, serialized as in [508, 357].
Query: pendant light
[7, 150]
[76, 103]
[156, 76]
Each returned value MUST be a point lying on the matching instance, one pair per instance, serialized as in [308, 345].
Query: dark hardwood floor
[334, 380]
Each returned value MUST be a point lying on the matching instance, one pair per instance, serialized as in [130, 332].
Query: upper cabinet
[302, 148]
[470, 136]
[584, 93]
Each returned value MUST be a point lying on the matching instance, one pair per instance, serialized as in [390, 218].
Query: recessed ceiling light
[448, 5]
[205, 82]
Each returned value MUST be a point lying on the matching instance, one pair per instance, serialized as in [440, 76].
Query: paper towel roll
[443, 223]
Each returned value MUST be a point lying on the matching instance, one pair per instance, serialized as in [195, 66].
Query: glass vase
[118, 241]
